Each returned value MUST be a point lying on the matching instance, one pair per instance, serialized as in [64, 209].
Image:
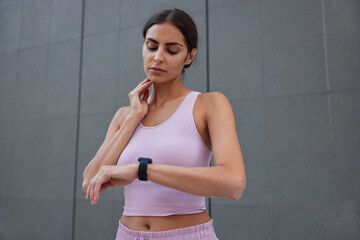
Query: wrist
[135, 169]
[143, 166]
[134, 117]
[131, 121]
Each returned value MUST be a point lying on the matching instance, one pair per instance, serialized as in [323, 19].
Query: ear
[191, 56]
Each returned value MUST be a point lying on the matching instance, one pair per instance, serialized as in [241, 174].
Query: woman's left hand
[110, 176]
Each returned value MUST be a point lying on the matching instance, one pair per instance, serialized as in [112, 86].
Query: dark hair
[179, 19]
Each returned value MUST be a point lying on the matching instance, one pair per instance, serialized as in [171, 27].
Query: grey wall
[291, 70]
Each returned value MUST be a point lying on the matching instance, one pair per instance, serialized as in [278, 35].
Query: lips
[157, 69]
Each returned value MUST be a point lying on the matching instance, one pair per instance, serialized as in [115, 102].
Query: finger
[91, 194]
[97, 188]
[139, 90]
[88, 192]
[143, 81]
[104, 177]
[143, 87]
[92, 185]
[143, 94]
[105, 186]
[146, 95]
[95, 193]
[146, 80]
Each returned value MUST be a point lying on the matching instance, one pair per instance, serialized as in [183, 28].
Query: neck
[162, 93]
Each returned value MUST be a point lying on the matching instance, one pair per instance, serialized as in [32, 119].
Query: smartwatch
[142, 173]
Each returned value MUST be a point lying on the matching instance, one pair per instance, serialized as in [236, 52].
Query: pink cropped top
[174, 142]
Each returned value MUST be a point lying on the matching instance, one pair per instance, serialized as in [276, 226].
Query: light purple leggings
[203, 231]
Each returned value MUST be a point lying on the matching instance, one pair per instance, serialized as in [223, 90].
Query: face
[165, 53]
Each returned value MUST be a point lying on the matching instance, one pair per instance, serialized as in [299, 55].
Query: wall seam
[207, 68]
[78, 120]
[332, 146]
[207, 45]
[325, 46]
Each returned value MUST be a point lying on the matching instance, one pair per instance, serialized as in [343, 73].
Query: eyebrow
[166, 44]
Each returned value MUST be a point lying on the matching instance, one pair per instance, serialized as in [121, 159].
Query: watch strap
[142, 173]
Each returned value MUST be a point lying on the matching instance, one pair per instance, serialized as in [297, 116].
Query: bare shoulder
[212, 101]
[212, 96]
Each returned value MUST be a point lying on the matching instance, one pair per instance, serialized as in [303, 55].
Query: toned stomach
[155, 224]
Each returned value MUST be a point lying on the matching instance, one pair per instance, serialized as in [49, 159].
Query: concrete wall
[291, 70]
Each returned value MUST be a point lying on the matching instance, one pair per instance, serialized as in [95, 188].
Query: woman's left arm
[226, 179]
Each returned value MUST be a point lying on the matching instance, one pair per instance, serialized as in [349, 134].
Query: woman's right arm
[119, 132]
[114, 143]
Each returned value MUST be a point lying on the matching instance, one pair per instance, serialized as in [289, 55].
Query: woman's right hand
[139, 108]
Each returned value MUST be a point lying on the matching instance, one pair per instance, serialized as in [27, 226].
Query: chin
[154, 77]
[160, 78]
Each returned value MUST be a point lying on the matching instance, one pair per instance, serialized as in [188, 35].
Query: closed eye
[154, 48]
[172, 52]
[151, 46]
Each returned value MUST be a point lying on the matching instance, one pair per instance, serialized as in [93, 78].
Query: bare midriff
[155, 224]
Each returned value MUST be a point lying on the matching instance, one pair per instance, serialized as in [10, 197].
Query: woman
[168, 138]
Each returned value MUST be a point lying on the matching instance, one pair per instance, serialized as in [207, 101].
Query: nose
[159, 56]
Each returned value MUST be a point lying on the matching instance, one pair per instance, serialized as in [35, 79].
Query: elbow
[237, 189]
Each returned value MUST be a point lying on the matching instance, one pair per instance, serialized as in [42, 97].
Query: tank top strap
[186, 108]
